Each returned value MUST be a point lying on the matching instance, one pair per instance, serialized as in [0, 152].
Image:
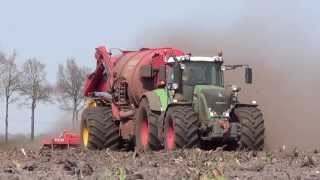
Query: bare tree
[2, 61]
[9, 84]
[70, 80]
[34, 86]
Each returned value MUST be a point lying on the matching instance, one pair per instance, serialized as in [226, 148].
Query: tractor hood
[211, 101]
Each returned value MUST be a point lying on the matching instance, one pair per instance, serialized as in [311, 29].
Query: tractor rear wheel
[181, 128]
[98, 130]
[252, 128]
[146, 135]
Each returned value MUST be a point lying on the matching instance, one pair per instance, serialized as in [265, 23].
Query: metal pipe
[104, 95]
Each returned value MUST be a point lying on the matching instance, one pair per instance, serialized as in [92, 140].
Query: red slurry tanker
[157, 98]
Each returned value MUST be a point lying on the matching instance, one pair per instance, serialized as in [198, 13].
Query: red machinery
[118, 79]
[65, 140]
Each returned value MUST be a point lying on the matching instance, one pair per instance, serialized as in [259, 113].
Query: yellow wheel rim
[85, 136]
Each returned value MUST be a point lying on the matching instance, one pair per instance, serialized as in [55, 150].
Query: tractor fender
[153, 99]
[174, 104]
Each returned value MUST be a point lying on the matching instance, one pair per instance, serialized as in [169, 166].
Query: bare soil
[285, 163]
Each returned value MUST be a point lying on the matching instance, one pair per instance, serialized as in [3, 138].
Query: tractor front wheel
[181, 128]
[252, 128]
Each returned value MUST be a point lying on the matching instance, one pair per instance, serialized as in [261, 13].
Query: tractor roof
[196, 58]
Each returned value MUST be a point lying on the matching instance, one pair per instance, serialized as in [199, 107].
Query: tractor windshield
[202, 73]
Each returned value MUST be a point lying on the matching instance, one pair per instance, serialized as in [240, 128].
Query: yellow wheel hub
[85, 136]
[91, 103]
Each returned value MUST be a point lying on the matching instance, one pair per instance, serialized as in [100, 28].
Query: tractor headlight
[235, 88]
[175, 86]
[225, 114]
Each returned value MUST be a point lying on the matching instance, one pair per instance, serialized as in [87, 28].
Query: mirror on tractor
[248, 75]
[146, 71]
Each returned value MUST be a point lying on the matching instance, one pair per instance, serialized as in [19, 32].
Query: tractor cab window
[201, 73]
[169, 74]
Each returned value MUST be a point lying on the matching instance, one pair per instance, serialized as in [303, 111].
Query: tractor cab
[186, 74]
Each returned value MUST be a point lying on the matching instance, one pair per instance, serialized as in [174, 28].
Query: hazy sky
[284, 36]
[55, 30]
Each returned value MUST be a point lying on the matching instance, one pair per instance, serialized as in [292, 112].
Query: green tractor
[194, 108]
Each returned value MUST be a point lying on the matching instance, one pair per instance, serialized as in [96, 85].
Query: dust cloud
[279, 41]
[63, 122]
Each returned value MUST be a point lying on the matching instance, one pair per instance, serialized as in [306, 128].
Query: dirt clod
[30, 166]
[87, 170]
[308, 161]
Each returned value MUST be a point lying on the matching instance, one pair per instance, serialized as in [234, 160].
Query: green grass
[118, 173]
[121, 173]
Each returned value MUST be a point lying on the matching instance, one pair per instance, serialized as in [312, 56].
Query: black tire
[102, 130]
[252, 128]
[184, 124]
[146, 130]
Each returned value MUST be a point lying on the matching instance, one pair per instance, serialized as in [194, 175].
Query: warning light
[162, 82]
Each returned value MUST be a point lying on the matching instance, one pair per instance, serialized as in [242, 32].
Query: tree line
[26, 84]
